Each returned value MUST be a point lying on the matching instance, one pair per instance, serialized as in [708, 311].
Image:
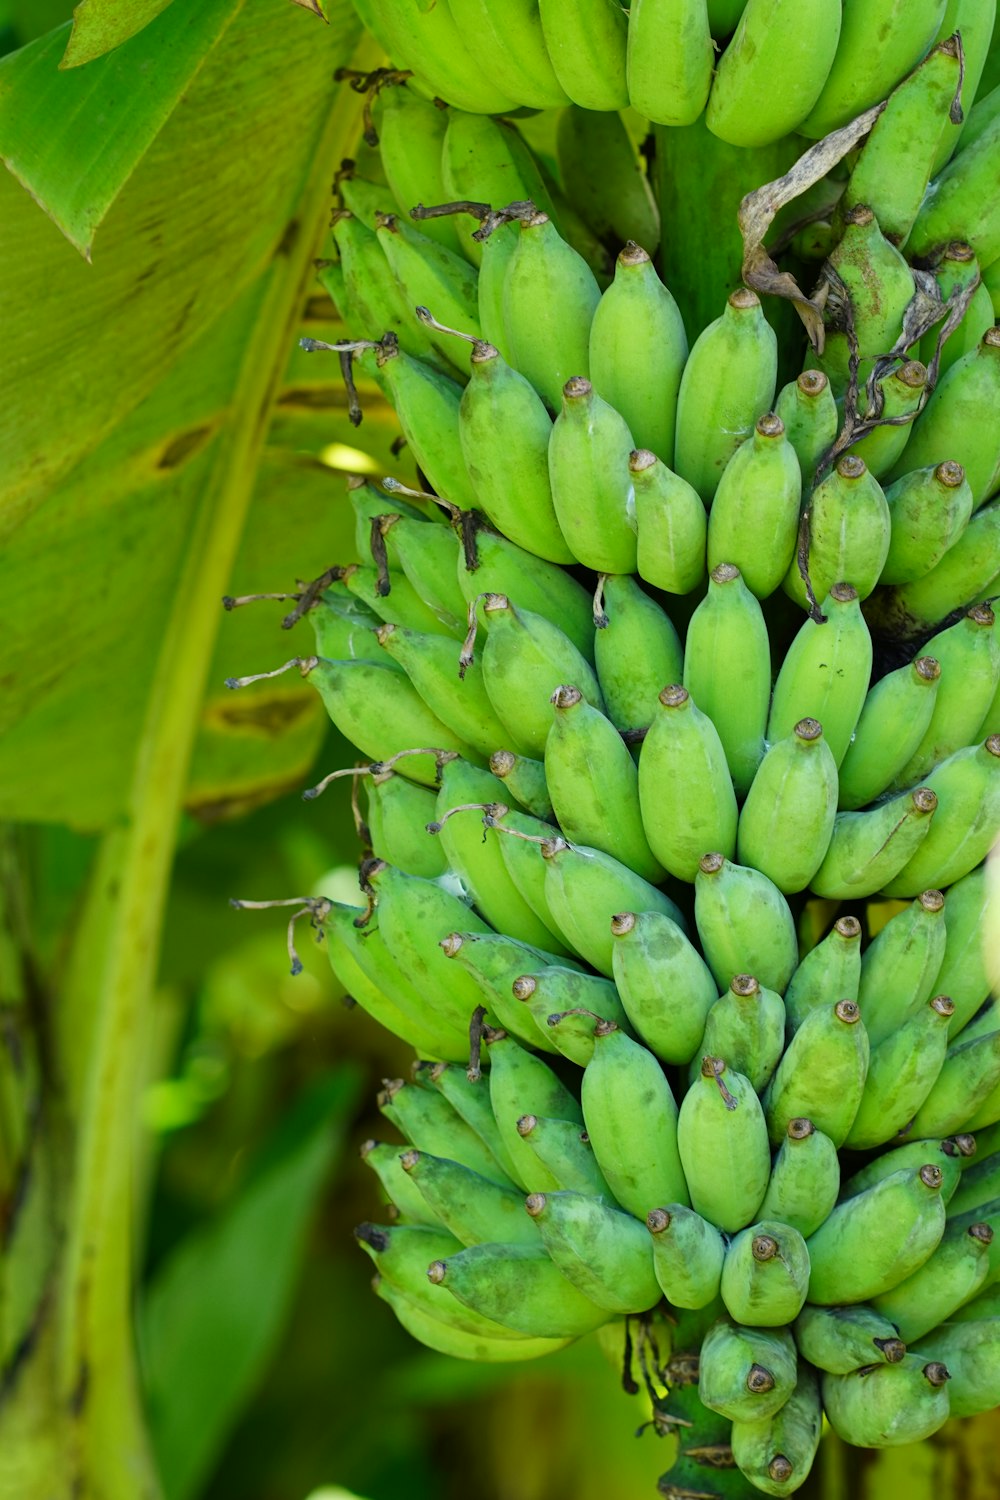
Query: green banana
[470, 1099]
[970, 1353]
[722, 1141]
[885, 1406]
[428, 1122]
[411, 135]
[637, 650]
[727, 669]
[603, 1252]
[870, 1242]
[776, 1454]
[525, 779]
[975, 21]
[957, 273]
[431, 275]
[565, 1004]
[867, 849]
[585, 887]
[754, 519]
[427, 404]
[963, 974]
[970, 1073]
[688, 1255]
[473, 1208]
[746, 1026]
[587, 48]
[898, 157]
[966, 823]
[666, 988]
[877, 283]
[901, 1073]
[805, 1178]
[808, 409]
[669, 59]
[878, 46]
[487, 160]
[459, 1343]
[849, 527]
[825, 673]
[513, 41]
[429, 662]
[685, 792]
[899, 969]
[670, 524]
[427, 556]
[604, 178]
[504, 431]
[497, 250]
[894, 720]
[401, 1252]
[960, 202]
[788, 40]
[427, 41]
[374, 302]
[589, 474]
[496, 960]
[823, 1070]
[744, 924]
[519, 1287]
[841, 1339]
[746, 1374]
[521, 837]
[401, 606]
[360, 196]
[501, 567]
[896, 401]
[343, 625]
[594, 784]
[521, 1083]
[525, 658]
[398, 811]
[953, 1274]
[832, 967]
[402, 1195]
[765, 1274]
[631, 1119]
[550, 296]
[967, 571]
[970, 663]
[728, 382]
[565, 1153]
[788, 818]
[957, 421]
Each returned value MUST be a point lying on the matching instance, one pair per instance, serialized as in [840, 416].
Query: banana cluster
[680, 698]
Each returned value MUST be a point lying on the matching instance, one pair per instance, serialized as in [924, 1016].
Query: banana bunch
[678, 691]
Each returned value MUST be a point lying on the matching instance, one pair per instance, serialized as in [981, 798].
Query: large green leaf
[101, 25]
[212, 1315]
[75, 138]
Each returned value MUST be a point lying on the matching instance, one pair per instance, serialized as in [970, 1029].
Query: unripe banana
[957, 273]
[411, 134]
[685, 792]
[631, 1119]
[952, 1275]
[428, 556]
[427, 1120]
[788, 817]
[522, 1083]
[401, 1193]
[867, 849]
[688, 1255]
[670, 525]
[872, 1241]
[833, 967]
[899, 969]
[966, 572]
[746, 1374]
[401, 606]
[604, 1252]
[883, 1406]
[754, 519]
[470, 1099]
[809, 412]
[777, 1454]
[637, 649]
[970, 1074]
[899, 395]
[525, 779]
[589, 473]
[823, 1070]
[901, 1073]
[512, 40]
[825, 673]
[604, 178]
[429, 663]
[929, 509]
[518, 1286]
[585, 887]
[805, 1178]
[765, 1274]
[849, 527]
[744, 923]
[727, 669]
[665, 985]
[565, 1004]
[728, 382]
[495, 961]
[841, 1339]
[427, 404]
[963, 973]
[429, 44]
[497, 252]
[501, 567]
[960, 204]
[398, 812]
[669, 60]
[893, 721]
[970, 1353]
[879, 285]
[565, 1153]
[431, 275]
[373, 300]
[400, 1253]
[487, 160]
[587, 48]
[549, 300]
[473, 1208]
[787, 40]
[501, 1347]
[722, 1141]
[521, 837]
[967, 821]
[746, 1026]
[969, 655]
